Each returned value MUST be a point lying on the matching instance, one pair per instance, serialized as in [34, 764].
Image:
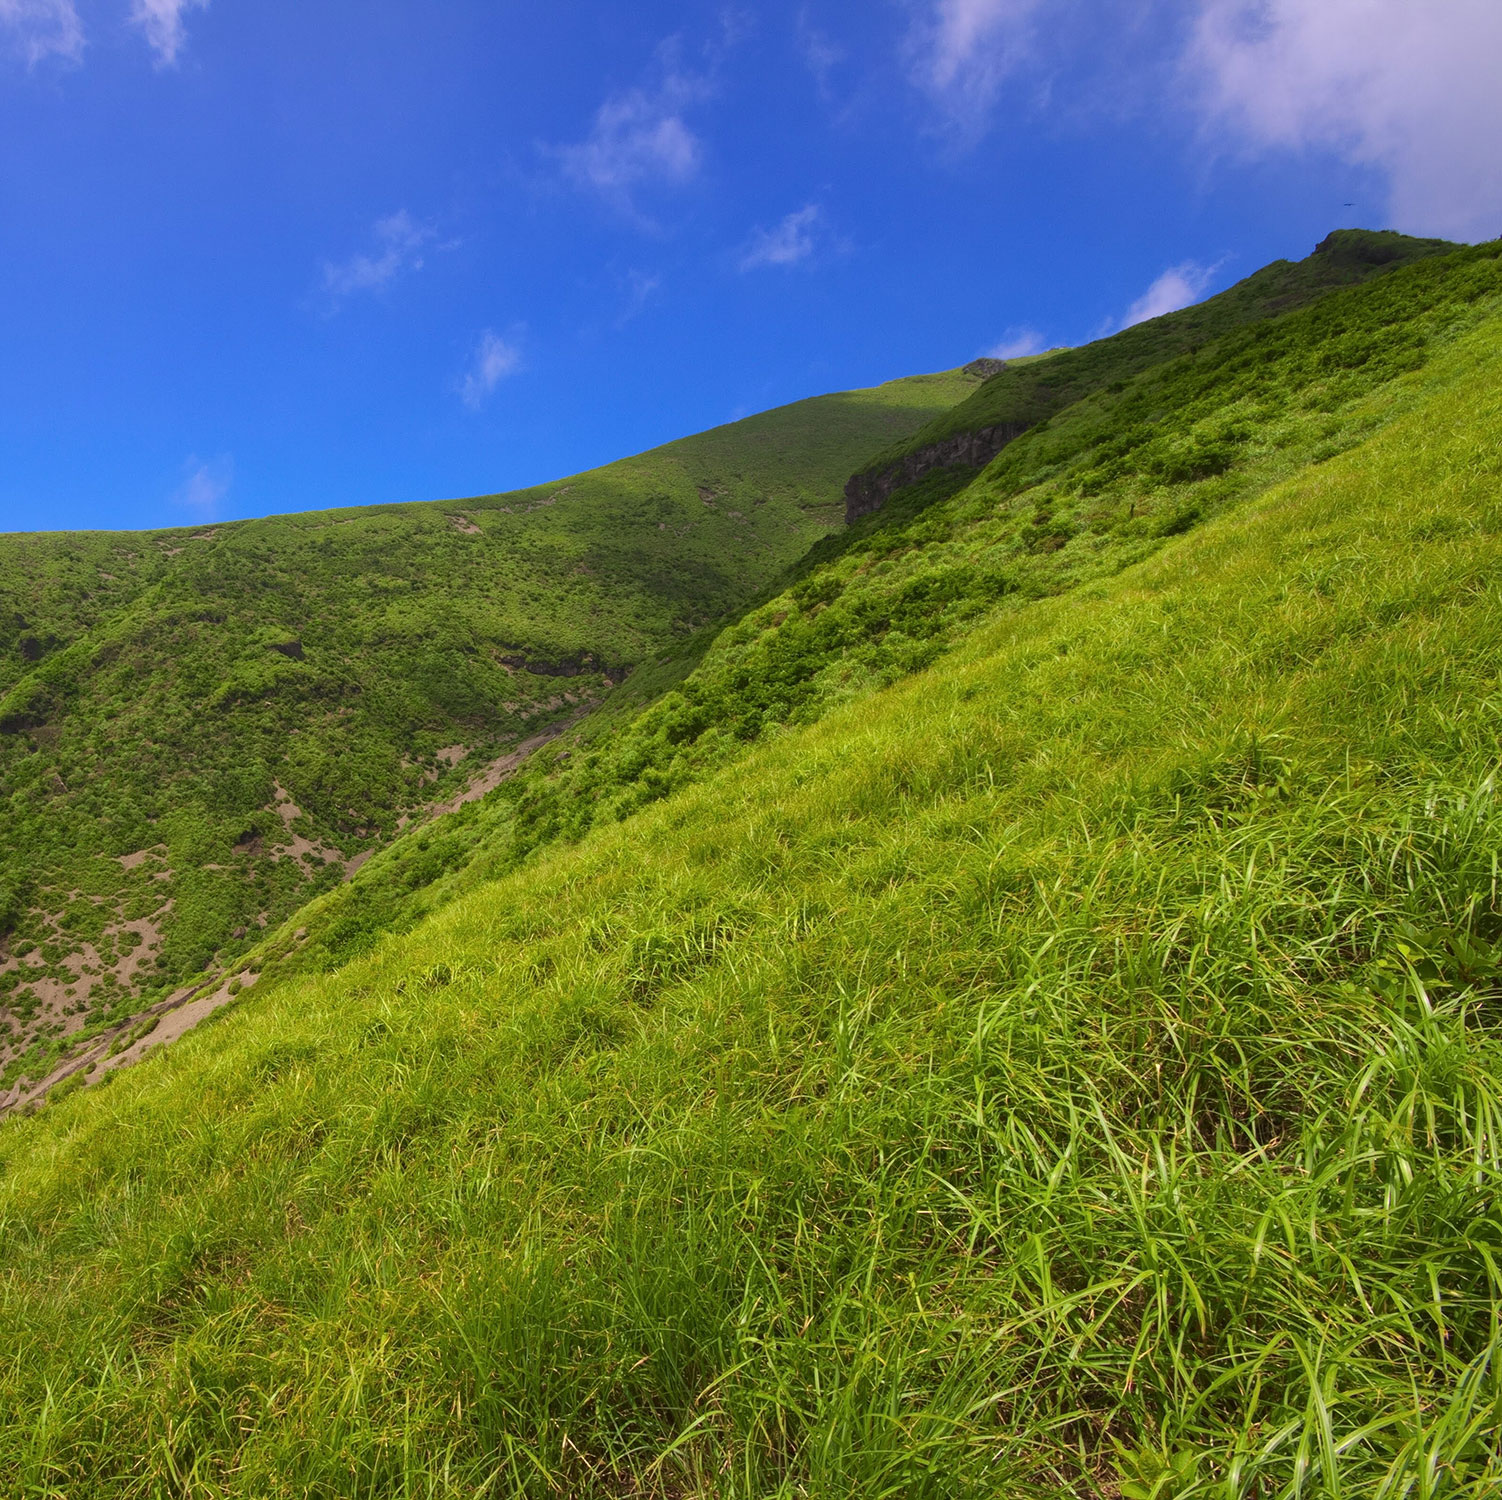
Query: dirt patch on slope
[498, 770]
[310, 853]
[173, 1017]
[133, 861]
[60, 1015]
[60, 1005]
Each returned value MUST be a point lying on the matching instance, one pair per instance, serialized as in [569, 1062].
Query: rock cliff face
[572, 667]
[871, 490]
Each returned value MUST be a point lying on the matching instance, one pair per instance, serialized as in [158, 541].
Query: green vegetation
[1013, 1012]
[1096, 489]
[199, 729]
[1071, 1070]
[1033, 390]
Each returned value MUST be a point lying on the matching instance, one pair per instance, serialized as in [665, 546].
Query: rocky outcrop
[869, 491]
[574, 667]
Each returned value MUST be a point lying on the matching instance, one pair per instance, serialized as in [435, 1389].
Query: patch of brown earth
[526, 510]
[184, 1015]
[182, 1011]
[64, 1004]
[69, 1000]
[176, 1015]
[498, 770]
[149, 930]
[309, 853]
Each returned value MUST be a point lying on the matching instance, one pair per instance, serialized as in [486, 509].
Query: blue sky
[261, 257]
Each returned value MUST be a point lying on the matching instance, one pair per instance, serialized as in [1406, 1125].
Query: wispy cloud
[962, 52]
[401, 242]
[640, 288]
[640, 138]
[822, 55]
[793, 240]
[39, 29]
[1179, 286]
[1409, 88]
[1016, 343]
[162, 23]
[494, 359]
[206, 486]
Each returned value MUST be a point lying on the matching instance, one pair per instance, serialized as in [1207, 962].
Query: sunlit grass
[1101, 486]
[1073, 1070]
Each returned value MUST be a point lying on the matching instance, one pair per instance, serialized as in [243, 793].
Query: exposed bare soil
[177, 1014]
[64, 1006]
[498, 770]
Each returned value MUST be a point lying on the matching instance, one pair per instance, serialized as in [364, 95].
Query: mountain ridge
[1025, 393]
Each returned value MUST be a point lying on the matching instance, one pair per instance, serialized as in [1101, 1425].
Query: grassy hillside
[1031, 391]
[199, 729]
[1099, 487]
[1073, 1069]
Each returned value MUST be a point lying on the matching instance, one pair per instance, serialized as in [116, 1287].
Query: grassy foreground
[1073, 1070]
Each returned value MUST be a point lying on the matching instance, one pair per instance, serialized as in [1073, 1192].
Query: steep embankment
[199, 729]
[1028, 392]
[1101, 486]
[1074, 1070]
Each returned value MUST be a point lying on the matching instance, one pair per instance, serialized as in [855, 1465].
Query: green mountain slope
[1072, 1070]
[201, 728]
[1031, 391]
[1101, 486]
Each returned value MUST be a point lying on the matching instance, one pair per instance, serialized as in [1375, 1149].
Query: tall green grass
[1103, 485]
[1074, 1070]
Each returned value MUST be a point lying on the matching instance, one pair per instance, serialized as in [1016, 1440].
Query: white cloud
[1016, 343]
[1408, 86]
[162, 22]
[1177, 287]
[822, 55]
[401, 242]
[39, 29]
[494, 360]
[640, 288]
[206, 485]
[792, 241]
[640, 138]
[963, 51]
